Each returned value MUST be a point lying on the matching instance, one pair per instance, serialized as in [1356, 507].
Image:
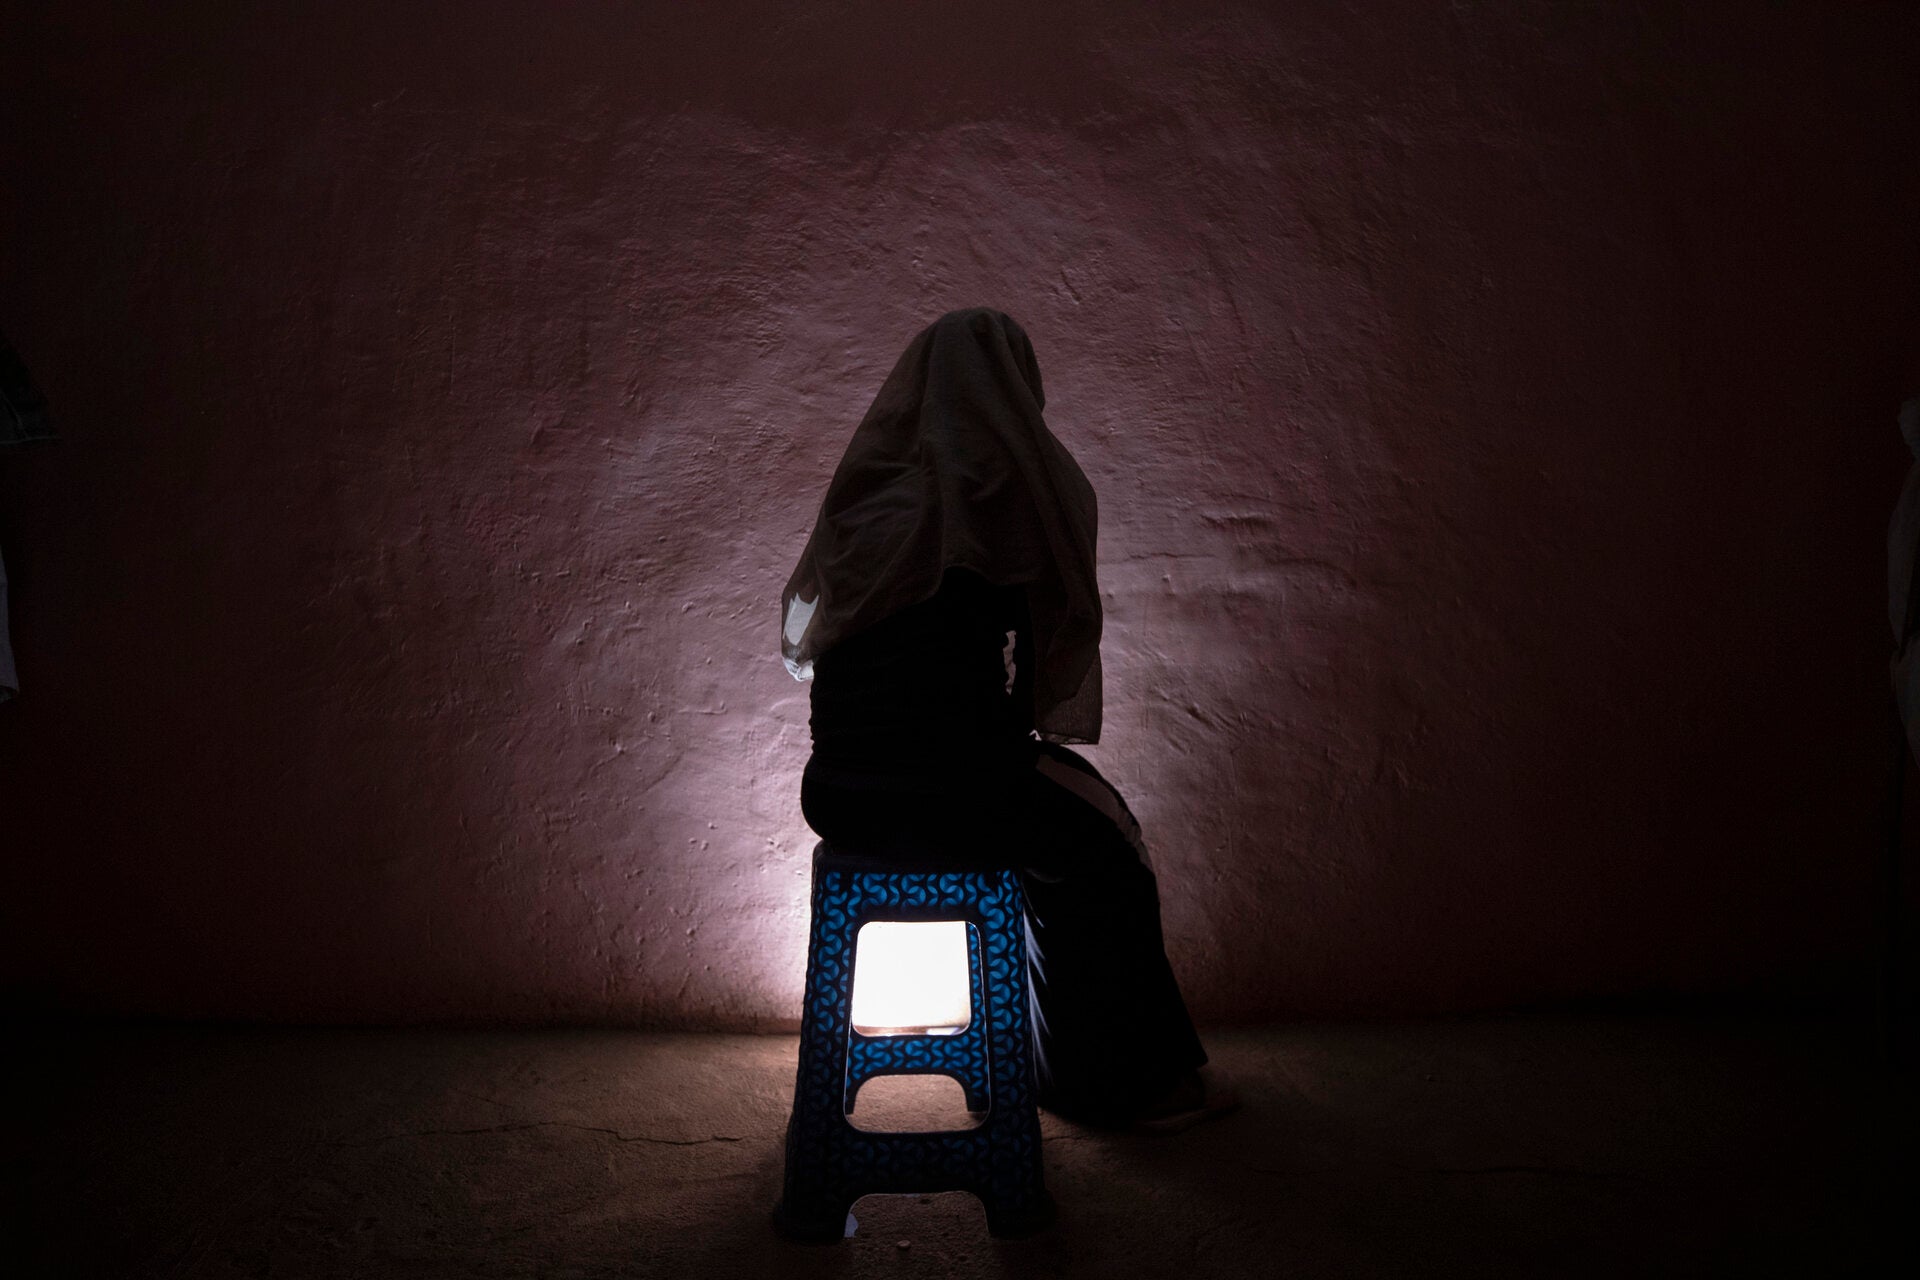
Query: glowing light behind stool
[910, 978]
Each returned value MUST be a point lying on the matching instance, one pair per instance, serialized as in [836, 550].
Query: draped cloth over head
[953, 467]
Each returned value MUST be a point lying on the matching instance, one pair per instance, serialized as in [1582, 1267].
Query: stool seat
[829, 1163]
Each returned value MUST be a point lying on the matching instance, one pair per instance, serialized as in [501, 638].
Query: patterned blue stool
[830, 1164]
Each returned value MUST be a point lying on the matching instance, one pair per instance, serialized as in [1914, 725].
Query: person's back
[937, 688]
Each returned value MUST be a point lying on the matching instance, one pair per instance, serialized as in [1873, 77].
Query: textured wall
[1490, 404]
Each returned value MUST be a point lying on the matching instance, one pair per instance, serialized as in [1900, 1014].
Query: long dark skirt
[1111, 1030]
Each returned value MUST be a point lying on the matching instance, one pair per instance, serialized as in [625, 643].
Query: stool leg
[1016, 1199]
[813, 1203]
[977, 1080]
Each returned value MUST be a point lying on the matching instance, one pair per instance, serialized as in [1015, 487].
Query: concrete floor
[1535, 1146]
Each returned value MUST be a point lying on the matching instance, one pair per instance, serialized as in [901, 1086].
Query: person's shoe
[1203, 1095]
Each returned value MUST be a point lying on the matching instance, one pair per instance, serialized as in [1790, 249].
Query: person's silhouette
[946, 610]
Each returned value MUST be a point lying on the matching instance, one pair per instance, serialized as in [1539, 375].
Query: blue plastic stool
[830, 1164]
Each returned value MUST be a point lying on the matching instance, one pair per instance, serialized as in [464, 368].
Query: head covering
[953, 467]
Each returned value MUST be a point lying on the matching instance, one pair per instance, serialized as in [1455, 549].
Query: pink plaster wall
[1491, 406]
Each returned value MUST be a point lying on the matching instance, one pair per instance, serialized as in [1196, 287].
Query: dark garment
[929, 697]
[923, 698]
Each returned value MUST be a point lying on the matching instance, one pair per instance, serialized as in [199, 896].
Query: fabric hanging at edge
[23, 420]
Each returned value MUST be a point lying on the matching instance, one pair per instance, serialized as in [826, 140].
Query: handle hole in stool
[918, 1103]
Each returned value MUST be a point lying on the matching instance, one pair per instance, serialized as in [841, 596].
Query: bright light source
[910, 978]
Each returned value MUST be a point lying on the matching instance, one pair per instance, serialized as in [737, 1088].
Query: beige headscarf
[953, 467]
